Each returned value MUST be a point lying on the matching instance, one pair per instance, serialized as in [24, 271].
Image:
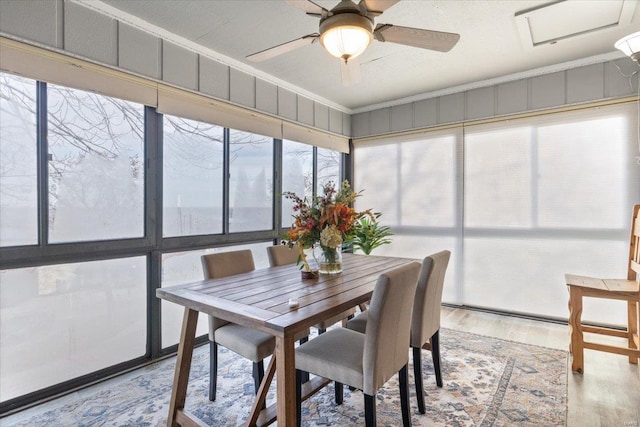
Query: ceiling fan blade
[272, 52]
[308, 6]
[350, 72]
[378, 5]
[425, 39]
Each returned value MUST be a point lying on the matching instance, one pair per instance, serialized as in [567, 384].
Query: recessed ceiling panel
[564, 19]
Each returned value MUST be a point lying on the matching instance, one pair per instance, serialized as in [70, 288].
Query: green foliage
[369, 234]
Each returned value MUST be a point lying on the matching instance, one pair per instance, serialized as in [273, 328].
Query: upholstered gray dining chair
[247, 342]
[425, 323]
[367, 361]
[283, 255]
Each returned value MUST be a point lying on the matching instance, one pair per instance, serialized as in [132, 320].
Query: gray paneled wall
[305, 110]
[83, 32]
[139, 52]
[36, 20]
[266, 96]
[287, 104]
[214, 78]
[180, 67]
[90, 35]
[243, 88]
[589, 83]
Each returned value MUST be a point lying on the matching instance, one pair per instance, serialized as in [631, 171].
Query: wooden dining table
[260, 299]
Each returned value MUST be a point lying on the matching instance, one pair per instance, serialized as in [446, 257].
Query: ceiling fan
[348, 29]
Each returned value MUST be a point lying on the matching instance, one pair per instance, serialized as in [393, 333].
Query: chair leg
[339, 388]
[299, 375]
[258, 375]
[403, 376]
[417, 376]
[435, 353]
[213, 369]
[369, 411]
[632, 329]
[305, 375]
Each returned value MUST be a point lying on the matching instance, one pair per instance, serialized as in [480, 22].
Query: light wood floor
[606, 395]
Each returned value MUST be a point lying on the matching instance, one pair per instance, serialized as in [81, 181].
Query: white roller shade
[545, 196]
[408, 136]
[197, 107]
[299, 133]
[519, 202]
[45, 65]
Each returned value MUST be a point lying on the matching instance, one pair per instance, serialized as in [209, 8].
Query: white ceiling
[490, 47]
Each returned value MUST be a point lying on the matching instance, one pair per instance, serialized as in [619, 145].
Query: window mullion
[277, 186]
[153, 149]
[42, 154]
[314, 186]
[225, 181]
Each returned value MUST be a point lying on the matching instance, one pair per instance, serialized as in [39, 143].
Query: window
[80, 321]
[375, 174]
[251, 182]
[192, 176]
[18, 162]
[59, 322]
[543, 196]
[96, 167]
[297, 175]
[328, 168]
[414, 183]
[547, 196]
[411, 182]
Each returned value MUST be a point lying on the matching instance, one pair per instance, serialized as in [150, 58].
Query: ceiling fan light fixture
[630, 45]
[346, 35]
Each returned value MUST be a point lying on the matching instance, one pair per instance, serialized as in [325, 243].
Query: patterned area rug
[487, 382]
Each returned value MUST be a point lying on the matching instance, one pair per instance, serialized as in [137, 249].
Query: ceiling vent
[565, 19]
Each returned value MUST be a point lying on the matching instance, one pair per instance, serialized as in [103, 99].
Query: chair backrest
[387, 336]
[282, 255]
[634, 246]
[426, 307]
[225, 264]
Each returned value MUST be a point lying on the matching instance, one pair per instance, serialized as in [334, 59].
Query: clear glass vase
[329, 259]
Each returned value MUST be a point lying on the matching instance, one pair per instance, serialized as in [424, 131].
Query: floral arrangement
[327, 220]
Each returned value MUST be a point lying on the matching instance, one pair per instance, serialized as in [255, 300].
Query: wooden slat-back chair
[619, 289]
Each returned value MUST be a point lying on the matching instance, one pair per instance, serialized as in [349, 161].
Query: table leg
[632, 328]
[286, 384]
[575, 327]
[261, 396]
[183, 366]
